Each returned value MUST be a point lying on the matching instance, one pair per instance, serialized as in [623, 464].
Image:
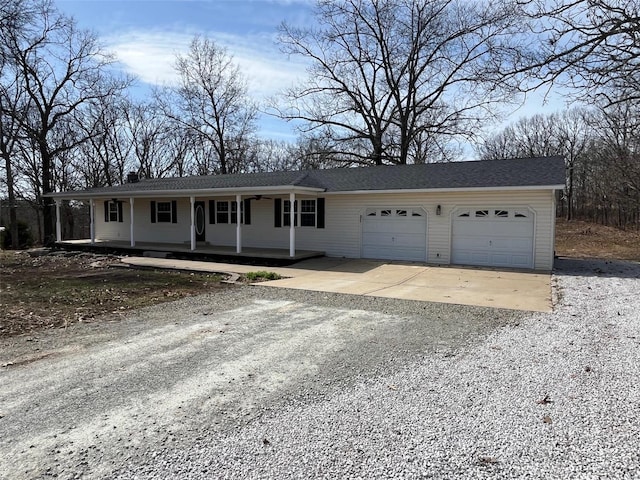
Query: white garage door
[395, 234]
[500, 237]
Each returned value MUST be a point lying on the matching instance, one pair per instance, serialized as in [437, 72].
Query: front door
[200, 221]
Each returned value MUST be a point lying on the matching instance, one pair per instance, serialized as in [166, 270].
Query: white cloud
[150, 55]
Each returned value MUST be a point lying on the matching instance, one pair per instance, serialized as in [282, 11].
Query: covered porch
[211, 223]
[248, 255]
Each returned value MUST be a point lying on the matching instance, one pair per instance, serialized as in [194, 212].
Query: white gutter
[281, 190]
[441, 190]
[205, 192]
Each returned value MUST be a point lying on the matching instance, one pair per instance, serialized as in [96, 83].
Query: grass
[261, 276]
[52, 291]
[583, 239]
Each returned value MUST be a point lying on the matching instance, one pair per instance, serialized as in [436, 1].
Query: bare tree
[394, 73]
[590, 45]
[105, 158]
[211, 102]
[61, 66]
[15, 16]
[601, 147]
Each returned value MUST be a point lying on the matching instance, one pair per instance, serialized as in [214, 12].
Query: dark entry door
[200, 221]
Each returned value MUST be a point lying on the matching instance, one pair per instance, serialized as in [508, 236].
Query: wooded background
[390, 82]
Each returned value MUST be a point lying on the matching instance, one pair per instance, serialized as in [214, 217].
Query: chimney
[132, 177]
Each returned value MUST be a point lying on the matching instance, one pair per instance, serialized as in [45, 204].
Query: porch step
[154, 254]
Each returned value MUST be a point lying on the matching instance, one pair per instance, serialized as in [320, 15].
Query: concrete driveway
[465, 286]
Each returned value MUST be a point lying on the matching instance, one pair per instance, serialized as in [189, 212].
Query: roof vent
[132, 177]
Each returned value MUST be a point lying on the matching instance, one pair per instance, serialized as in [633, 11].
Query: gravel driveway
[262, 383]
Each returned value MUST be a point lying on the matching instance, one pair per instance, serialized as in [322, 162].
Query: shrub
[262, 275]
[25, 238]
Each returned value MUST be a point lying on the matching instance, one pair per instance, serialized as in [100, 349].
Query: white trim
[58, 225]
[292, 229]
[238, 223]
[133, 240]
[192, 200]
[208, 192]
[445, 190]
[222, 192]
[92, 221]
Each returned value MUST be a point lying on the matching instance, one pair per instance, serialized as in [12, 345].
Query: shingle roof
[519, 172]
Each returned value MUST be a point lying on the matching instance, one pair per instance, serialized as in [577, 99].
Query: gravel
[380, 389]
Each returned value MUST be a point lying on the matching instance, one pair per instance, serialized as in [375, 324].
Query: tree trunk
[13, 218]
[48, 210]
[570, 195]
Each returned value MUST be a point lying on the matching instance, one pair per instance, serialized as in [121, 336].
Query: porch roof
[539, 172]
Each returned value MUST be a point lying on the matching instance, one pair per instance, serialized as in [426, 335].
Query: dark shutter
[153, 212]
[320, 213]
[277, 212]
[247, 211]
[106, 211]
[174, 211]
[212, 211]
[120, 212]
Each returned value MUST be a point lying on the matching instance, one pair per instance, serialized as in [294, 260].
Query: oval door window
[199, 219]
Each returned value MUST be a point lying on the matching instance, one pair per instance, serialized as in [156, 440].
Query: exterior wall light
[438, 210]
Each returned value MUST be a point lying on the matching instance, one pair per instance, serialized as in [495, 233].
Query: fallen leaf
[488, 460]
[547, 419]
[545, 400]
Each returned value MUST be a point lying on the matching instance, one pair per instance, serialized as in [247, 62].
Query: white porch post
[58, 226]
[193, 224]
[292, 231]
[92, 218]
[133, 240]
[238, 226]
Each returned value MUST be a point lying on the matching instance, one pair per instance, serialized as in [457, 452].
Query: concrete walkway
[466, 286]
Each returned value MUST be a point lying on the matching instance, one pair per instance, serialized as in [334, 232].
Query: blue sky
[146, 35]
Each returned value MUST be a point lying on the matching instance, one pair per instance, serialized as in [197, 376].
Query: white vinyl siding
[342, 235]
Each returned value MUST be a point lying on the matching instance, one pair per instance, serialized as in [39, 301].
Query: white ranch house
[498, 213]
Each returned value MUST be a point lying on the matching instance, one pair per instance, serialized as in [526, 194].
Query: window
[163, 212]
[385, 213]
[114, 212]
[222, 212]
[464, 214]
[286, 213]
[306, 216]
[401, 213]
[234, 212]
[308, 213]
[501, 213]
[521, 215]
[482, 213]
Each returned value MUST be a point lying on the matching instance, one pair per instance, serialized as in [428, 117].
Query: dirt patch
[584, 239]
[59, 288]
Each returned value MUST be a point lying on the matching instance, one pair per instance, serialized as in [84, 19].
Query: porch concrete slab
[466, 286]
